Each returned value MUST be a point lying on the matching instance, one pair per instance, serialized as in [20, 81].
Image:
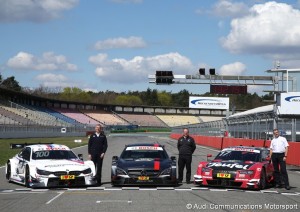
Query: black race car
[143, 164]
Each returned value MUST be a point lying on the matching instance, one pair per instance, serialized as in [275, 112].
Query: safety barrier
[223, 142]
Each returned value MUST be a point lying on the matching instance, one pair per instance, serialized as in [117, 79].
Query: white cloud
[117, 43]
[53, 80]
[51, 77]
[33, 10]
[90, 89]
[272, 29]
[48, 62]
[137, 69]
[236, 68]
[228, 8]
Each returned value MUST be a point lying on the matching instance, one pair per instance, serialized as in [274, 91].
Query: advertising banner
[209, 102]
[289, 103]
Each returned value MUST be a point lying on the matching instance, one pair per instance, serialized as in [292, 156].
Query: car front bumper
[160, 180]
[41, 181]
[236, 183]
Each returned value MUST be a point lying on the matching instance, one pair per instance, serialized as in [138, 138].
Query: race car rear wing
[19, 146]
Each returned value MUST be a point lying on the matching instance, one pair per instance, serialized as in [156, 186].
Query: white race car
[49, 165]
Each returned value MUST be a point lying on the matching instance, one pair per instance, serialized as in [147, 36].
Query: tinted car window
[25, 153]
[138, 154]
[53, 154]
[239, 155]
[265, 154]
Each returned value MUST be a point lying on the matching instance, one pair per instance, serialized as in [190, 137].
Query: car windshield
[238, 155]
[53, 154]
[144, 155]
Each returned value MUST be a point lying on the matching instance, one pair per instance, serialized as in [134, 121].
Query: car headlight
[87, 171]
[42, 172]
[120, 172]
[167, 171]
[206, 169]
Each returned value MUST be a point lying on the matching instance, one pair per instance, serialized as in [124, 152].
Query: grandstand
[32, 115]
[77, 115]
[4, 120]
[16, 115]
[178, 120]
[12, 113]
[51, 116]
[143, 119]
[105, 117]
[27, 115]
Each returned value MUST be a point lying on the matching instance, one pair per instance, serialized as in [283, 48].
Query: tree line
[150, 97]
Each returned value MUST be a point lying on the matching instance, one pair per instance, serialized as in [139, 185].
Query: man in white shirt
[278, 153]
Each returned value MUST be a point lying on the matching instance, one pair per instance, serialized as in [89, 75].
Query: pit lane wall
[223, 142]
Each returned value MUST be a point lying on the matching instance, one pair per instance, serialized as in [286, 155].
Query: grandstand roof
[263, 109]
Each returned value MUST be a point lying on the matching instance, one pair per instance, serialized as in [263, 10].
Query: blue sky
[114, 45]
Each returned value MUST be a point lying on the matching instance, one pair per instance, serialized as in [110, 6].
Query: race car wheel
[263, 180]
[8, 172]
[27, 177]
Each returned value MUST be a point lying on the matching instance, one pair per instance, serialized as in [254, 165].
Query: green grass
[6, 152]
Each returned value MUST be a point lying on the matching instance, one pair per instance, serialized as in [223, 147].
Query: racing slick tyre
[27, 177]
[8, 172]
[263, 180]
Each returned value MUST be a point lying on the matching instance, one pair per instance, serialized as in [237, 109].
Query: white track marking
[59, 193]
[114, 201]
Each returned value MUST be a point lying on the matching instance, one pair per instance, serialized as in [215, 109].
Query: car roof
[42, 147]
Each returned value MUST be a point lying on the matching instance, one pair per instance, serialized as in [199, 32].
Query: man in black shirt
[97, 147]
[186, 147]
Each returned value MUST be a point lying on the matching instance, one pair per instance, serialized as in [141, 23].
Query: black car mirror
[208, 156]
[80, 156]
[268, 158]
[115, 158]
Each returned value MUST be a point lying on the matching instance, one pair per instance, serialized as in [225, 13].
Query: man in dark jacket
[186, 147]
[97, 147]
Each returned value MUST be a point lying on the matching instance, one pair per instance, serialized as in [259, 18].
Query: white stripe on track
[59, 193]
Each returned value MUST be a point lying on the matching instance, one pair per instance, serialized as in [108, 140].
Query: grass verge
[6, 152]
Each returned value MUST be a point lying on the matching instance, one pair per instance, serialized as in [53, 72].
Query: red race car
[238, 166]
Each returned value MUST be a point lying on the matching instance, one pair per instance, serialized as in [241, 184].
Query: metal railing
[255, 126]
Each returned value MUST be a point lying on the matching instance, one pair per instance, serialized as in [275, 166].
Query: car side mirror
[173, 158]
[80, 156]
[115, 158]
[208, 156]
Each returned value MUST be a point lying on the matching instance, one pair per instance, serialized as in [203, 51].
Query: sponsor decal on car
[242, 149]
[155, 148]
[59, 165]
[228, 165]
[156, 165]
[223, 175]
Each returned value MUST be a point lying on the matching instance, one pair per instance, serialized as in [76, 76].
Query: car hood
[144, 164]
[228, 165]
[59, 165]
